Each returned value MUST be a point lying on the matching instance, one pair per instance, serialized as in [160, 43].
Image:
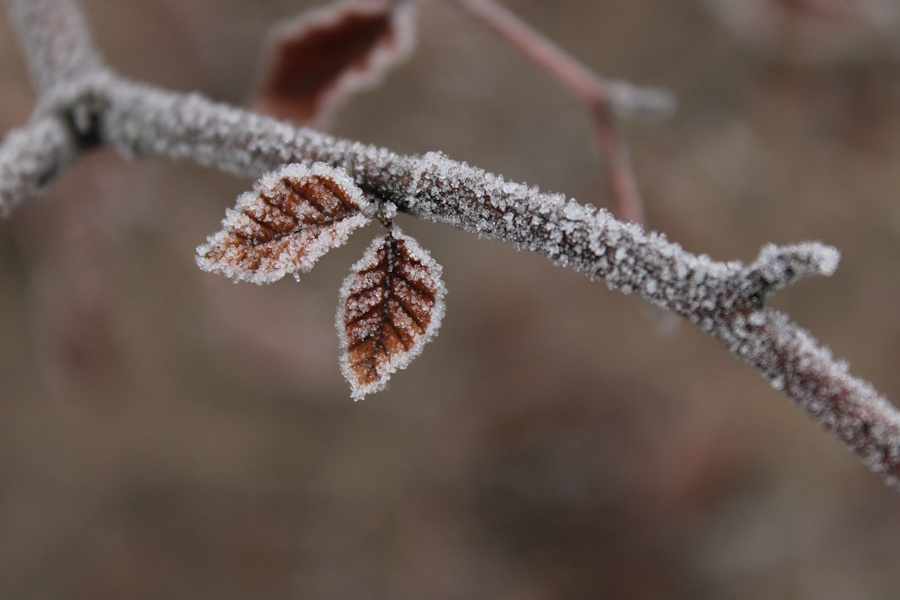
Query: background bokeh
[165, 433]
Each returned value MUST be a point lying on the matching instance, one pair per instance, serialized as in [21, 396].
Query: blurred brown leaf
[322, 57]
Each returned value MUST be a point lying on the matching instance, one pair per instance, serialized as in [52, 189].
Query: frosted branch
[724, 299]
[55, 40]
[30, 157]
[791, 359]
[778, 267]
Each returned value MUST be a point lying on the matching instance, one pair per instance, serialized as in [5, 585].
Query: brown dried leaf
[291, 218]
[391, 305]
[327, 54]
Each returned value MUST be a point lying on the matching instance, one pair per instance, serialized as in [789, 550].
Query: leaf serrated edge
[400, 361]
[268, 184]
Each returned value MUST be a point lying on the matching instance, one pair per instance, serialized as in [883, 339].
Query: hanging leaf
[291, 218]
[328, 54]
[391, 305]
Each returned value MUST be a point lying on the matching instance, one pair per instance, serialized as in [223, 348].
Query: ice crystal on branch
[291, 218]
[391, 305]
[30, 157]
[325, 55]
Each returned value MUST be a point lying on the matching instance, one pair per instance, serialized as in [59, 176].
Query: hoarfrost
[390, 306]
[291, 218]
[30, 157]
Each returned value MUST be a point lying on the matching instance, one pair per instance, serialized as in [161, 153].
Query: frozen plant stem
[58, 45]
[31, 156]
[82, 105]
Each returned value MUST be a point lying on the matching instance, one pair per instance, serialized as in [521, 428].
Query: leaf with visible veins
[325, 55]
[391, 305]
[291, 218]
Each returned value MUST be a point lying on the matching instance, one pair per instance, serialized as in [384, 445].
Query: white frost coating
[56, 41]
[30, 157]
[298, 249]
[424, 270]
[630, 101]
[782, 266]
[589, 240]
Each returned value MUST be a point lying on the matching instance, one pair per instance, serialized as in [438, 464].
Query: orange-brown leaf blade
[327, 54]
[291, 218]
[391, 304]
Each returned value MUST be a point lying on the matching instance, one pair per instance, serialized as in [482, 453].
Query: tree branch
[30, 157]
[725, 300]
[55, 41]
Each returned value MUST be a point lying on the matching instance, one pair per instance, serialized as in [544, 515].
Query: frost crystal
[30, 157]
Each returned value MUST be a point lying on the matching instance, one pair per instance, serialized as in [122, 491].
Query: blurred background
[165, 433]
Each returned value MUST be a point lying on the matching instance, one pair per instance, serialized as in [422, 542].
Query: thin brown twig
[600, 96]
[622, 181]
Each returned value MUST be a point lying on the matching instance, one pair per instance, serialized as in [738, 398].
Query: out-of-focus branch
[606, 100]
[30, 157]
[55, 40]
[59, 52]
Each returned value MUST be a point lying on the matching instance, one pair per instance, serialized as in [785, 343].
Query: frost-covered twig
[726, 300]
[31, 156]
[60, 52]
[55, 40]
